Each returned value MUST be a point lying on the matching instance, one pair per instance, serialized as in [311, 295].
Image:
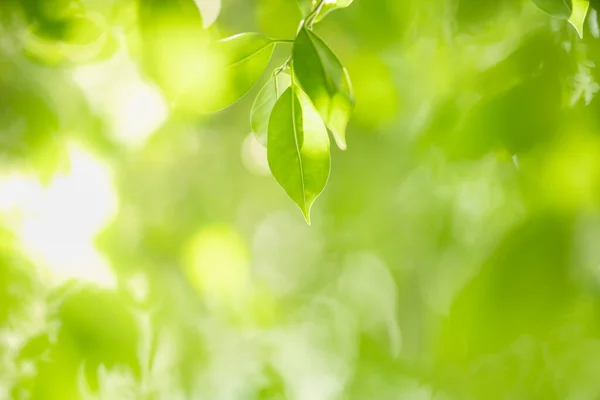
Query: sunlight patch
[56, 224]
[134, 108]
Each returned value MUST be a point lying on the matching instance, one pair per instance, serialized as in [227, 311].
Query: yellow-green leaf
[331, 5]
[298, 149]
[578, 15]
[325, 80]
[306, 6]
[575, 11]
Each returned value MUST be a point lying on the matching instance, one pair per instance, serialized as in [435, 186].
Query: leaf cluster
[303, 99]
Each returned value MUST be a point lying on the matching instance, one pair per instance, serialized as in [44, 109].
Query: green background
[147, 253]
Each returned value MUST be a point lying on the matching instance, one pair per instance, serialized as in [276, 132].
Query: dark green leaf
[298, 149]
[325, 80]
[264, 103]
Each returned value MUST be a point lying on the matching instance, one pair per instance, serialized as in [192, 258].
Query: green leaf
[298, 149]
[331, 5]
[264, 103]
[556, 8]
[325, 80]
[209, 10]
[306, 6]
[575, 11]
[578, 15]
[242, 59]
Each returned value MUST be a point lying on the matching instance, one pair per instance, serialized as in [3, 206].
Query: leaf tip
[577, 29]
[340, 140]
[209, 10]
[306, 213]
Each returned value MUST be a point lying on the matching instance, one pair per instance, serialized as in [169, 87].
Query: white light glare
[57, 224]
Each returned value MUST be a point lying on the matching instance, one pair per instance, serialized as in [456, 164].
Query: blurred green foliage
[146, 252]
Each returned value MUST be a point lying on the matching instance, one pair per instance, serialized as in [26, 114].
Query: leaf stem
[310, 19]
[286, 64]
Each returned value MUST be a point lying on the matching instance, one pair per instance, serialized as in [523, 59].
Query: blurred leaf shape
[298, 149]
[112, 383]
[305, 6]
[373, 80]
[16, 281]
[556, 8]
[209, 9]
[278, 18]
[178, 55]
[31, 123]
[326, 82]
[79, 39]
[243, 59]
[52, 10]
[264, 103]
[524, 288]
[216, 263]
[369, 287]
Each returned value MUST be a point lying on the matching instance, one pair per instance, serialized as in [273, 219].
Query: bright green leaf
[325, 80]
[209, 10]
[264, 103]
[578, 15]
[242, 59]
[331, 5]
[306, 6]
[298, 149]
[556, 8]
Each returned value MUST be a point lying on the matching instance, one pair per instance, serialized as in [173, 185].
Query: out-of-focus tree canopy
[151, 247]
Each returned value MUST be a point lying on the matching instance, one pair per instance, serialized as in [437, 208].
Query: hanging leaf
[242, 60]
[325, 80]
[575, 11]
[209, 10]
[298, 149]
[264, 103]
[578, 15]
